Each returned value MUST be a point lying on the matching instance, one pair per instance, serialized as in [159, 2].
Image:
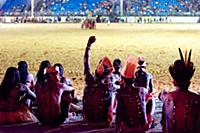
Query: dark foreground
[74, 126]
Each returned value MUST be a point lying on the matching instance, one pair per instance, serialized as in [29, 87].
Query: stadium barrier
[76, 19]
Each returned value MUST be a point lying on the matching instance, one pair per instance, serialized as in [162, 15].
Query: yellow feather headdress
[183, 69]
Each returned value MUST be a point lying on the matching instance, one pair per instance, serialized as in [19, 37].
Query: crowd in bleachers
[104, 7]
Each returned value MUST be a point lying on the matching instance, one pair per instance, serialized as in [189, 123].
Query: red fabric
[148, 96]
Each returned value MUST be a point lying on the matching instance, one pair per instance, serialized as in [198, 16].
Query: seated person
[25, 76]
[53, 99]
[40, 76]
[97, 97]
[64, 80]
[68, 82]
[181, 108]
[131, 103]
[13, 95]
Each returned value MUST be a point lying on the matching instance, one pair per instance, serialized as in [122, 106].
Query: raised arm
[91, 40]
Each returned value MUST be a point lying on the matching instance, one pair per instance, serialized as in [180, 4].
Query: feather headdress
[183, 69]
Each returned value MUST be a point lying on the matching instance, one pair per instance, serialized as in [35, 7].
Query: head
[141, 62]
[104, 67]
[53, 74]
[61, 69]
[10, 80]
[23, 70]
[43, 65]
[182, 70]
[129, 68]
[117, 64]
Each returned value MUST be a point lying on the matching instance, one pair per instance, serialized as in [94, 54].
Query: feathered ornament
[183, 69]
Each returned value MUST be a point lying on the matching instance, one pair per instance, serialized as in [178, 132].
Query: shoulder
[30, 76]
[89, 78]
[22, 87]
[66, 87]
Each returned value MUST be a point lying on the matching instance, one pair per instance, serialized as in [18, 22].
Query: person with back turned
[97, 108]
[181, 108]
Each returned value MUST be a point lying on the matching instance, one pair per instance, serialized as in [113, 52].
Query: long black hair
[23, 71]
[61, 73]
[61, 69]
[11, 79]
[40, 75]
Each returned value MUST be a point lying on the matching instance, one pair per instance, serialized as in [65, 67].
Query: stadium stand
[104, 7]
[17, 7]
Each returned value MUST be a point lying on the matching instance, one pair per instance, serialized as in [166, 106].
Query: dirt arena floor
[65, 44]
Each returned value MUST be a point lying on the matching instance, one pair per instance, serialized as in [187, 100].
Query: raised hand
[91, 40]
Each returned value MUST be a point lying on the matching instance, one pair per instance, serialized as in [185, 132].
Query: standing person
[131, 104]
[181, 108]
[145, 79]
[53, 99]
[97, 108]
[13, 94]
[25, 76]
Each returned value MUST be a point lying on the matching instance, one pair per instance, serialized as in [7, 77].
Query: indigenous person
[145, 79]
[97, 108]
[67, 82]
[181, 108]
[13, 95]
[40, 74]
[116, 75]
[117, 64]
[53, 99]
[64, 80]
[25, 76]
[131, 103]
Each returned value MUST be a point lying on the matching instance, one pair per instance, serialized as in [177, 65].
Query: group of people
[115, 95]
[123, 95]
[88, 24]
[48, 99]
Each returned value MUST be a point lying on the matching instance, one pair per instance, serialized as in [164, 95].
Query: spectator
[25, 76]
[116, 75]
[145, 79]
[12, 97]
[131, 104]
[67, 82]
[53, 99]
[181, 108]
[117, 64]
[61, 73]
[40, 75]
[97, 112]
